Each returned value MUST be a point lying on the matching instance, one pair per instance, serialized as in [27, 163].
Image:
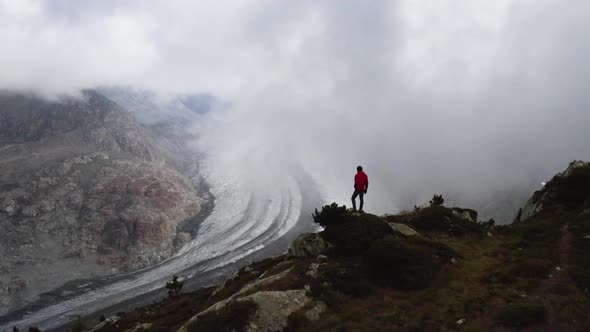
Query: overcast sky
[429, 96]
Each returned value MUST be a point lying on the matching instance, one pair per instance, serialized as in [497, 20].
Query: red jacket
[361, 181]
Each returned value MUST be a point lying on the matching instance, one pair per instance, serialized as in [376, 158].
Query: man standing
[361, 184]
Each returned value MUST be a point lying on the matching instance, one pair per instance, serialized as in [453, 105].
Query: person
[361, 184]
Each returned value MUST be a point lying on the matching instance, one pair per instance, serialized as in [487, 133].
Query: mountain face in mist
[84, 192]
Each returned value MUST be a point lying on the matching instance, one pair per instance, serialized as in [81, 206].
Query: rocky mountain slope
[434, 269]
[84, 192]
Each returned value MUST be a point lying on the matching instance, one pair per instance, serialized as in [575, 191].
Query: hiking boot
[361, 211]
[353, 210]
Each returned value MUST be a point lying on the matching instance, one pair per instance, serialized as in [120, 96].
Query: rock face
[83, 192]
[565, 189]
[308, 245]
[465, 214]
[272, 307]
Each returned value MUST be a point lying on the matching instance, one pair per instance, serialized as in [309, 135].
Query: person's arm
[366, 184]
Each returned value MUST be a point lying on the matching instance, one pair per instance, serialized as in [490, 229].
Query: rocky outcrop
[465, 214]
[308, 245]
[274, 307]
[565, 190]
[272, 310]
[83, 193]
[271, 305]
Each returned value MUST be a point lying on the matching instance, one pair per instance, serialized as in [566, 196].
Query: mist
[443, 97]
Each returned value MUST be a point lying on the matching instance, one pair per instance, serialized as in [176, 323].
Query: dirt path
[559, 286]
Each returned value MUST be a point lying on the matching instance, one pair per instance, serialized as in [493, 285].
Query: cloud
[428, 96]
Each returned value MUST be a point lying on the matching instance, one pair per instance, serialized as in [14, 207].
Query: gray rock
[308, 245]
[465, 214]
[274, 307]
[259, 283]
[403, 229]
[140, 327]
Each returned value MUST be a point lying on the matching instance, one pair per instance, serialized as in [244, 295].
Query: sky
[429, 96]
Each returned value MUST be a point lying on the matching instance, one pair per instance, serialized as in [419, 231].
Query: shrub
[356, 234]
[349, 281]
[437, 200]
[438, 218]
[399, 264]
[439, 249]
[461, 227]
[332, 215]
[433, 218]
[521, 315]
[174, 287]
[297, 321]
[572, 191]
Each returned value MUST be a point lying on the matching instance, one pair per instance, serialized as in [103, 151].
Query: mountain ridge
[433, 269]
[84, 192]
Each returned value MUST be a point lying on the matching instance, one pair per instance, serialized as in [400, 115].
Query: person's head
[359, 168]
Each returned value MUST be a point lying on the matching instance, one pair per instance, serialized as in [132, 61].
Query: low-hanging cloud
[441, 96]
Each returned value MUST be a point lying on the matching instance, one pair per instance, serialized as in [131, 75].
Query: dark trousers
[361, 195]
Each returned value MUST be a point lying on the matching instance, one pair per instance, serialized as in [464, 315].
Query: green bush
[437, 200]
[460, 227]
[356, 234]
[174, 287]
[521, 315]
[297, 321]
[332, 215]
[441, 250]
[573, 191]
[433, 219]
[349, 281]
[396, 263]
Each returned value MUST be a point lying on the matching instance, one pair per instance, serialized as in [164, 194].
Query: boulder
[308, 245]
[403, 229]
[465, 214]
[274, 307]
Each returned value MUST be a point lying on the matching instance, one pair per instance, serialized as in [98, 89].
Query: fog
[446, 96]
